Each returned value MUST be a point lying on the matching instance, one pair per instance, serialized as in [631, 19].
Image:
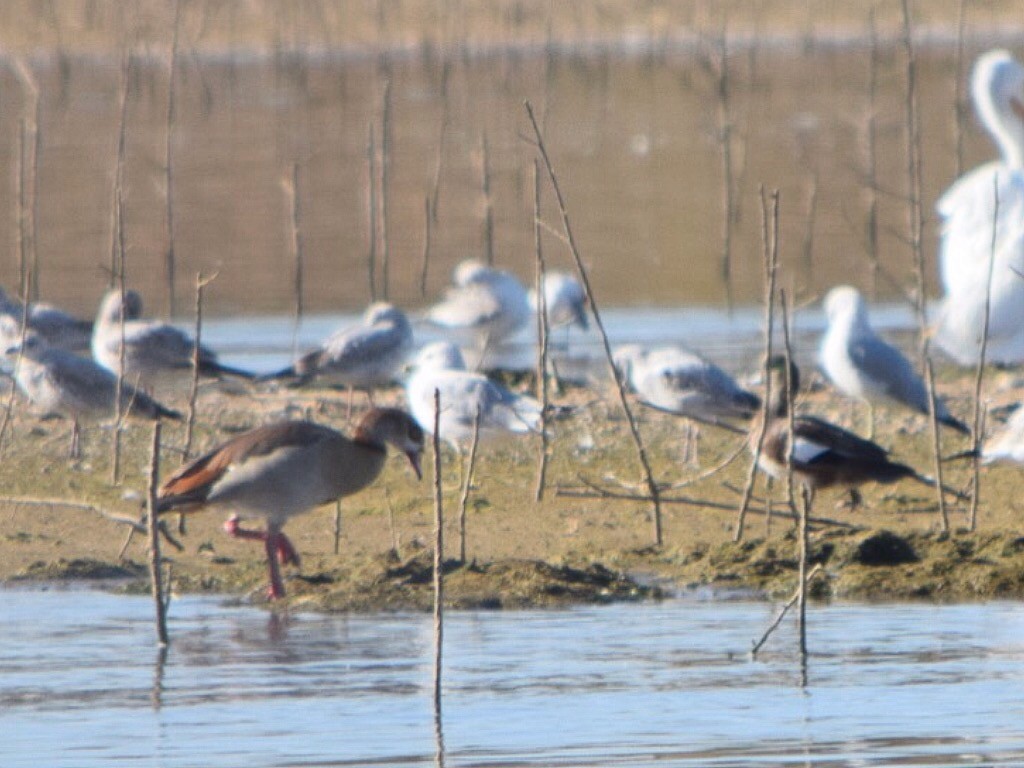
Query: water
[81, 684]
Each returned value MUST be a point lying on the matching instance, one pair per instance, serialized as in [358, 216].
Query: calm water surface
[81, 684]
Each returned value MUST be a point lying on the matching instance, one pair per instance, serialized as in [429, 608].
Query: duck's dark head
[782, 387]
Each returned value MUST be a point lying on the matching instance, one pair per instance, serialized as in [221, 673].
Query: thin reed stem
[977, 423]
[155, 562]
[645, 464]
[438, 558]
[171, 116]
[770, 249]
[915, 216]
[543, 334]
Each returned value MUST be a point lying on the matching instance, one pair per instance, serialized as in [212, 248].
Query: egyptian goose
[61, 382]
[280, 470]
[862, 365]
[151, 348]
[968, 212]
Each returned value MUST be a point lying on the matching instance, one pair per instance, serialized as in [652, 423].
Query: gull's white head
[383, 312]
[626, 358]
[111, 306]
[845, 302]
[470, 271]
[439, 356]
[997, 87]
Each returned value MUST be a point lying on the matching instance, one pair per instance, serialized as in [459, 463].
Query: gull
[489, 302]
[968, 213]
[364, 356]
[862, 365]
[565, 300]
[288, 468]
[61, 382]
[57, 327]
[823, 454]
[1008, 444]
[464, 394]
[151, 348]
[681, 382]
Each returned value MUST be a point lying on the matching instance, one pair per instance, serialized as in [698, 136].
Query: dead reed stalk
[648, 474]
[871, 159]
[467, 483]
[171, 116]
[485, 191]
[427, 236]
[371, 212]
[118, 266]
[155, 563]
[385, 168]
[438, 558]
[290, 186]
[959, 106]
[28, 181]
[770, 251]
[915, 216]
[543, 388]
[782, 613]
[725, 128]
[193, 392]
[977, 423]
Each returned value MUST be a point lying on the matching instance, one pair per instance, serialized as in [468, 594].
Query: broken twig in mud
[135, 525]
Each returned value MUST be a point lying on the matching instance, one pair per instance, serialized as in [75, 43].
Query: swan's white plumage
[968, 209]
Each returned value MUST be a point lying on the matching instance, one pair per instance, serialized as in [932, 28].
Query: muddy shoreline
[567, 549]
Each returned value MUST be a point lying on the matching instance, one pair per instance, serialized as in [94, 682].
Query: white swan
[968, 209]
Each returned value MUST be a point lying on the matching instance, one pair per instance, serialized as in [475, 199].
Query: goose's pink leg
[279, 550]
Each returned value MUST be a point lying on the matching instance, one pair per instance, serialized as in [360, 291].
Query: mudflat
[591, 537]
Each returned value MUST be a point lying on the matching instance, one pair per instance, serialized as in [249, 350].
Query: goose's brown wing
[189, 487]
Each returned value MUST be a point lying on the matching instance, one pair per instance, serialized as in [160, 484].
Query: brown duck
[824, 455]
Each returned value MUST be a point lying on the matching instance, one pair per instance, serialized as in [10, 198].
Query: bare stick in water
[438, 557]
[155, 566]
[645, 464]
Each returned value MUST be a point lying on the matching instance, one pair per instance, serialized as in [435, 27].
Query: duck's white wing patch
[806, 451]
